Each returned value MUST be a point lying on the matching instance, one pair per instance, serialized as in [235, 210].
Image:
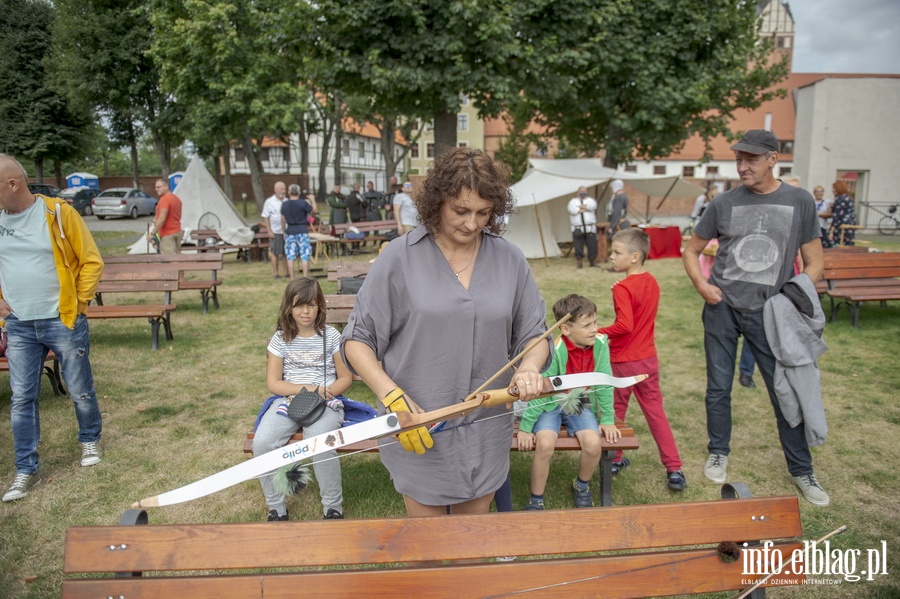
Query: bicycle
[889, 223]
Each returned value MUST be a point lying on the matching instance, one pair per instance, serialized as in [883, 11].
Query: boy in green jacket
[579, 349]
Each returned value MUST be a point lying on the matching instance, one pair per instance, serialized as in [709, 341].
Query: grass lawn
[178, 414]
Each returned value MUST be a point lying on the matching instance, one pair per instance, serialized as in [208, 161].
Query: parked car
[80, 199]
[123, 201]
[51, 191]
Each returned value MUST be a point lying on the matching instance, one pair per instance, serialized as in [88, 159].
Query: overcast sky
[837, 36]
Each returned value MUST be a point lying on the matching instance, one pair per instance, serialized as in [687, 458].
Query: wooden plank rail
[163, 272]
[670, 549]
[852, 278]
[563, 443]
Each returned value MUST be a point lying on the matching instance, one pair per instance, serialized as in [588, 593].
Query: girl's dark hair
[300, 291]
[459, 169]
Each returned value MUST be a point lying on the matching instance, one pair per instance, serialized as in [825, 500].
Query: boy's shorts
[552, 421]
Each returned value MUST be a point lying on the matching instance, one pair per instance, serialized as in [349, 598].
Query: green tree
[101, 60]
[638, 79]
[413, 57]
[36, 123]
[223, 61]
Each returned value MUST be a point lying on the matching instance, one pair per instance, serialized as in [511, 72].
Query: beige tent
[548, 185]
[204, 206]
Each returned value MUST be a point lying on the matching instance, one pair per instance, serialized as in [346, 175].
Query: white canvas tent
[204, 206]
[548, 185]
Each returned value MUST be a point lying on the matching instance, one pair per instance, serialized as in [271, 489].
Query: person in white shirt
[405, 210]
[272, 212]
[583, 218]
[823, 209]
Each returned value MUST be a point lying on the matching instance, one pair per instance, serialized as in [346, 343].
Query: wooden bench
[610, 552]
[121, 271]
[563, 443]
[852, 278]
[155, 314]
[338, 309]
[375, 232]
[51, 370]
[340, 270]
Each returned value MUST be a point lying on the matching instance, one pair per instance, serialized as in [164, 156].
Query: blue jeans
[28, 344]
[747, 364]
[723, 326]
[555, 418]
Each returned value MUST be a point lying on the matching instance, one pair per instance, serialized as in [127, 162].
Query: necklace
[450, 262]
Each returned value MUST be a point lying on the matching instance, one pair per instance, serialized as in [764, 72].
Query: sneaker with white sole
[22, 483]
[811, 490]
[91, 452]
[716, 467]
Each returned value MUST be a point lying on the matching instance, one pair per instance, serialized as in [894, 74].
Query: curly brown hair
[460, 169]
[300, 291]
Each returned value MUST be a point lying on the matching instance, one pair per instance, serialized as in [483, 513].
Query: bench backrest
[163, 259]
[336, 270]
[339, 308]
[859, 266]
[389, 541]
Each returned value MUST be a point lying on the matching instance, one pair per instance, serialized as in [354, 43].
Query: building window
[784, 170]
[787, 146]
[464, 99]
[359, 179]
[429, 150]
[462, 122]
[362, 151]
[659, 169]
[630, 168]
[239, 155]
[414, 150]
[429, 126]
[712, 170]
[264, 154]
[345, 149]
[687, 171]
[463, 144]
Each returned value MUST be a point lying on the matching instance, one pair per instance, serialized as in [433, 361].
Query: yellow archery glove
[417, 440]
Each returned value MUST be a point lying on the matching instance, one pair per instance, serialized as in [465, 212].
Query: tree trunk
[323, 160]
[252, 155]
[338, 141]
[387, 151]
[135, 166]
[57, 172]
[227, 187]
[444, 132]
[163, 152]
[304, 148]
[39, 170]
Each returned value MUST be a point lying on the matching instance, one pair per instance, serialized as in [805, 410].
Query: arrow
[382, 426]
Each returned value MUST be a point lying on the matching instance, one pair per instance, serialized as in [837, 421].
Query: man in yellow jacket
[49, 271]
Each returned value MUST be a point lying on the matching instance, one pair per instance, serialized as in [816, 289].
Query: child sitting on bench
[579, 349]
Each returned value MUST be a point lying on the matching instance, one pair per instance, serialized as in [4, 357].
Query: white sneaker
[716, 467]
[21, 485]
[91, 452]
[811, 490]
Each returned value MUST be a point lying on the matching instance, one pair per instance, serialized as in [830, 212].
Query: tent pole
[537, 217]
[671, 187]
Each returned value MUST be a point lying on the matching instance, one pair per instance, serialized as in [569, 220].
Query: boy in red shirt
[633, 350]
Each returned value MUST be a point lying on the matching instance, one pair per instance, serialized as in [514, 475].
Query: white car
[123, 201]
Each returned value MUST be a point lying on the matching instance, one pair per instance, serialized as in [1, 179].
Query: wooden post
[537, 217]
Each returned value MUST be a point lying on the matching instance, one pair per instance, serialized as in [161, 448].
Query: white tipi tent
[548, 185]
[204, 206]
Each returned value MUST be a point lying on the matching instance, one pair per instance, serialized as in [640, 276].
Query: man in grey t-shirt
[760, 225]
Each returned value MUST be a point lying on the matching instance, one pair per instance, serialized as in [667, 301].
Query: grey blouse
[439, 341]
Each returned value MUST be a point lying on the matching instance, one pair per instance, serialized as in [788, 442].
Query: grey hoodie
[795, 339]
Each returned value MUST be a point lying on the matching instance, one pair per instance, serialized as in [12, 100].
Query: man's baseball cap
[757, 141]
